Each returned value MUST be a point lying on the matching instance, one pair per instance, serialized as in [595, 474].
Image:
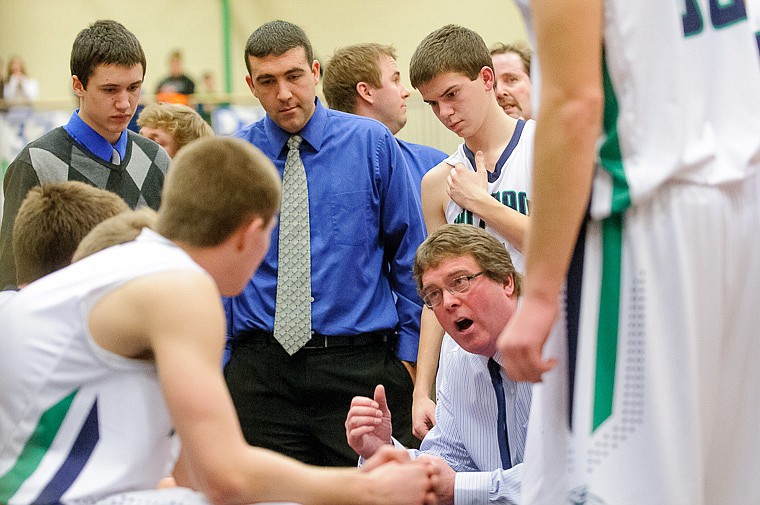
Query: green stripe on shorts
[609, 311]
[611, 160]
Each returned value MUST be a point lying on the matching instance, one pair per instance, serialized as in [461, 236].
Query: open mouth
[463, 324]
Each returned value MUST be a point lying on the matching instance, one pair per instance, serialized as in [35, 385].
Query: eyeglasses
[457, 285]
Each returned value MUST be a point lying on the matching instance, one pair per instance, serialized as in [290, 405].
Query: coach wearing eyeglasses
[467, 278]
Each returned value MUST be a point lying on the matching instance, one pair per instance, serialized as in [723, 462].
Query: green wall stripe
[226, 45]
[35, 448]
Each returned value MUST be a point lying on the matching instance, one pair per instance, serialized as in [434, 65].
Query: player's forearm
[431, 336]
[567, 129]
[265, 476]
[561, 189]
[510, 224]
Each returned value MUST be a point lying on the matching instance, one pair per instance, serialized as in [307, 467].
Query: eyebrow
[453, 275]
[111, 84]
[291, 71]
[448, 90]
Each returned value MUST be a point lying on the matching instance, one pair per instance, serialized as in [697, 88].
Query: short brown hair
[521, 50]
[457, 240]
[276, 38]
[51, 221]
[348, 67]
[215, 185]
[451, 48]
[115, 230]
[180, 121]
[104, 42]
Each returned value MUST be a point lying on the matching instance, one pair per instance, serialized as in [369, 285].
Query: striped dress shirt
[465, 435]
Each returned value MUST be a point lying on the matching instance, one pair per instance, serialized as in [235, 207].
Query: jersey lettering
[516, 200]
[722, 14]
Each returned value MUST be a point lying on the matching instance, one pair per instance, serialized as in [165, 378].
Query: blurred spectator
[172, 125]
[176, 87]
[2, 85]
[19, 88]
[209, 99]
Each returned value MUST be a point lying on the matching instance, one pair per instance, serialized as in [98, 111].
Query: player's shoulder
[437, 174]
[346, 120]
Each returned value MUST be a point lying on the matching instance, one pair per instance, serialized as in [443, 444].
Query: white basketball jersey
[76, 421]
[511, 183]
[690, 71]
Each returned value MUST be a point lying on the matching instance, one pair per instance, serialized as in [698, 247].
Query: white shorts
[167, 496]
[666, 396]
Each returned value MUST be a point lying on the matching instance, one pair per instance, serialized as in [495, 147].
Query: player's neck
[493, 135]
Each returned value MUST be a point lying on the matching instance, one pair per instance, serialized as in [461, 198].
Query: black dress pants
[297, 405]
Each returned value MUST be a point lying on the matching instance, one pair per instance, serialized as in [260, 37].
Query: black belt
[320, 341]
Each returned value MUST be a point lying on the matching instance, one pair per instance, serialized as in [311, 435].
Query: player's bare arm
[183, 327]
[567, 128]
[469, 189]
[434, 201]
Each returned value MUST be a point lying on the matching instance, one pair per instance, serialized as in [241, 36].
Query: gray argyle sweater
[56, 157]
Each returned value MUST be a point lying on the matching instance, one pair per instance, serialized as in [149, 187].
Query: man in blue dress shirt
[364, 79]
[365, 224]
[467, 279]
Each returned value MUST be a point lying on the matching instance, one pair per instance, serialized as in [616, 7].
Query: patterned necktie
[115, 158]
[501, 421]
[292, 317]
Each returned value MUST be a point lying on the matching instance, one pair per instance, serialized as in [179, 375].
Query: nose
[404, 92]
[445, 110]
[122, 100]
[450, 300]
[283, 91]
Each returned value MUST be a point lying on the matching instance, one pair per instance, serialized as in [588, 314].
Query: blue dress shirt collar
[93, 141]
[313, 132]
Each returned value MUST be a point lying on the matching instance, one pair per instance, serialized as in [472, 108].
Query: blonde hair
[183, 123]
[115, 230]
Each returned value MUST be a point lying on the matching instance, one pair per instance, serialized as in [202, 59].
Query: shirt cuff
[396, 444]
[471, 488]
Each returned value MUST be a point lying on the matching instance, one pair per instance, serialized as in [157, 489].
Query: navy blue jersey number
[722, 14]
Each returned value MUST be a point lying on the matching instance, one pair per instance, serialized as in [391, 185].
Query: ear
[489, 79]
[248, 233]
[77, 86]
[509, 286]
[315, 71]
[364, 91]
[249, 82]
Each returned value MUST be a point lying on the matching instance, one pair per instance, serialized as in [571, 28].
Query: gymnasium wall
[42, 32]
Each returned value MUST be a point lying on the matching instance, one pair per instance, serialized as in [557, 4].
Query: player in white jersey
[485, 183]
[650, 377]
[91, 405]
[103, 360]
[508, 184]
